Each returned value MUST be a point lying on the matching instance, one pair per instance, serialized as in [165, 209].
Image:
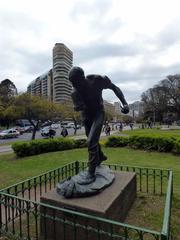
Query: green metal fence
[23, 216]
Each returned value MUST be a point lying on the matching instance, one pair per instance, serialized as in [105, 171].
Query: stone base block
[113, 203]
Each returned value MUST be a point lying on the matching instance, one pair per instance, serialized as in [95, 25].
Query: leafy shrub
[39, 146]
[176, 148]
[146, 142]
[80, 143]
[117, 141]
[161, 144]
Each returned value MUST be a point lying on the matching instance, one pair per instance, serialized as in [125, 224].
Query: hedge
[146, 142]
[161, 144]
[117, 142]
[39, 146]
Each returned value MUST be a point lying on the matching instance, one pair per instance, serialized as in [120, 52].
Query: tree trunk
[33, 133]
[34, 129]
[75, 126]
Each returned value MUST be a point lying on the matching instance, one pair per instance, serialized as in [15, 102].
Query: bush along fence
[22, 214]
[23, 149]
[161, 144]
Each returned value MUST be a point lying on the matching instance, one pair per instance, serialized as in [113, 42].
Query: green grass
[13, 170]
[154, 132]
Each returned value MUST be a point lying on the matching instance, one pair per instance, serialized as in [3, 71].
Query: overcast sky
[134, 42]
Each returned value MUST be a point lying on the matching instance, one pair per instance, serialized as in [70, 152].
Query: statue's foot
[86, 178]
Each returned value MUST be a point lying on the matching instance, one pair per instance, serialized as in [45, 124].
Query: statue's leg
[93, 126]
[88, 124]
[102, 157]
[93, 142]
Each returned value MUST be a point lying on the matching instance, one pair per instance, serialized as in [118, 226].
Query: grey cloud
[13, 27]
[92, 8]
[25, 61]
[18, 21]
[146, 75]
[95, 13]
[34, 63]
[130, 95]
[151, 73]
[101, 50]
[169, 36]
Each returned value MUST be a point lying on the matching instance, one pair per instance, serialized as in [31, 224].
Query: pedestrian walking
[131, 126]
[120, 127]
[64, 132]
[107, 130]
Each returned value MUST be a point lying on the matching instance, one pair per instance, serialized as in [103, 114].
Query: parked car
[78, 126]
[55, 125]
[9, 133]
[28, 128]
[46, 124]
[178, 122]
[21, 130]
[65, 123]
[71, 125]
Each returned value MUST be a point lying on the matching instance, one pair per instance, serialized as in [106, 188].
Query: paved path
[6, 149]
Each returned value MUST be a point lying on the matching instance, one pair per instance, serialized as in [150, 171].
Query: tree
[35, 109]
[8, 91]
[171, 87]
[163, 99]
[69, 112]
[155, 103]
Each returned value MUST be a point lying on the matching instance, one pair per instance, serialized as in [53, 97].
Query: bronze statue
[87, 98]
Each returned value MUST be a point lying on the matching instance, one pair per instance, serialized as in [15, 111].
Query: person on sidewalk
[120, 127]
[64, 132]
[107, 130]
[87, 98]
[52, 132]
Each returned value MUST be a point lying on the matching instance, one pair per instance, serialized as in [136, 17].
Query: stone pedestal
[112, 203]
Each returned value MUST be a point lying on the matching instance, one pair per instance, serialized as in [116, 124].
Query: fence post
[163, 237]
[0, 215]
[76, 167]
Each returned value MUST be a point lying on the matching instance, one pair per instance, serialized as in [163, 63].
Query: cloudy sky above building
[135, 43]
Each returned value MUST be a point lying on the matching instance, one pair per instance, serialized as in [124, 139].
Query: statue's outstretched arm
[121, 97]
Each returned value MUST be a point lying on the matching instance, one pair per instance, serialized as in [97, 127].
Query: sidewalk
[84, 136]
[6, 149]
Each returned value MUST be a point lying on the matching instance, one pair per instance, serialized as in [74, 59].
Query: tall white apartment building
[54, 84]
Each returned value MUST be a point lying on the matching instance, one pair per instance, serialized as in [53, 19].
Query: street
[27, 136]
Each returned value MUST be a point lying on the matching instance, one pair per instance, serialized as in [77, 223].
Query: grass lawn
[13, 170]
[156, 132]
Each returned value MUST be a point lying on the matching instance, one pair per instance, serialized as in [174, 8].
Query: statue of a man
[87, 98]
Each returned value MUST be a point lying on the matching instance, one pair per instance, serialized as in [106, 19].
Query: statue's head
[76, 76]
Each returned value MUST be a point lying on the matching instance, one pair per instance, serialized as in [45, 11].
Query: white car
[45, 131]
[70, 125]
[55, 125]
[9, 133]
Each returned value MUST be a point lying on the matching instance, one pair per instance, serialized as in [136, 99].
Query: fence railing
[25, 217]
[167, 210]
[149, 180]
[33, 188]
